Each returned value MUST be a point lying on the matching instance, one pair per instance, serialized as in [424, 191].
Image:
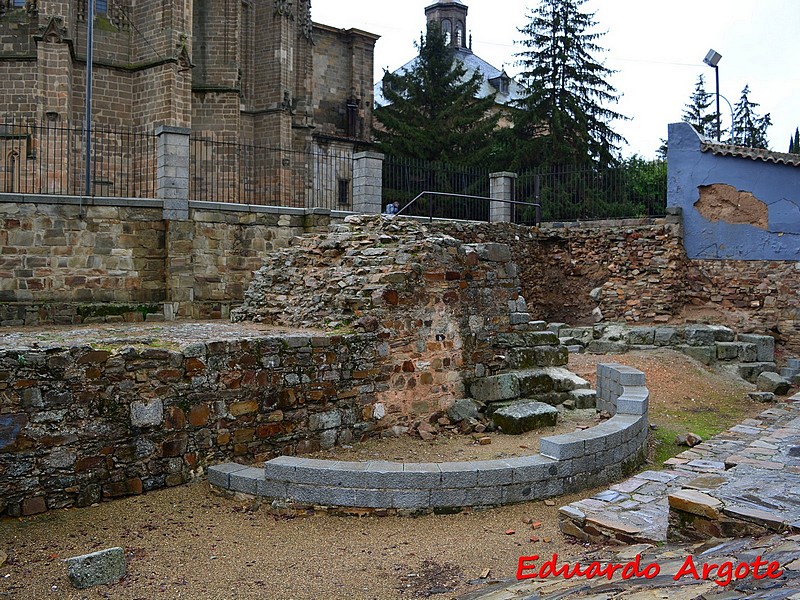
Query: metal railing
[406, 178]
[49, 158]
[635, 189]
[226, 171]
[425, 205]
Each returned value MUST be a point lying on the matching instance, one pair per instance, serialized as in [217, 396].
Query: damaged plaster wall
[734, 207]
[720, 202]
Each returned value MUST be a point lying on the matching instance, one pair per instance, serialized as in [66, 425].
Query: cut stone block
[539, 356]
[727, 351]
[666, 336]
[540, 338]
[525, 416]
[751, 371]
[461, 410]
[699, 335]
[533, 382]
[765, 345]
[789, 373]
[722, 333]
[773, 383]
[604, 347]
[762, 396]
[97, 568]
[703, 354]
[497, 387]
[641, 336]
[584, 398]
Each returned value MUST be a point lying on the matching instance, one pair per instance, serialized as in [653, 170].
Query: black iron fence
[50, 158]
[405, 178]
[637, 188]
[227, 171]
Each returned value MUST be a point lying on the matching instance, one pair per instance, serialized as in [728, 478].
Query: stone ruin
[450, 317]
[451, 323]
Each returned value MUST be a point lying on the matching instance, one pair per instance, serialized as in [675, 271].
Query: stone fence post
[368, 182]
[501, 188]
[173, 171]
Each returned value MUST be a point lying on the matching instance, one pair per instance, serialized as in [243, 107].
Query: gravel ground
[189, 543]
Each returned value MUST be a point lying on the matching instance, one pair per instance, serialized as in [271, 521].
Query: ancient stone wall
[640, 268]
[436, 300]
[633, 273]
[80, 424]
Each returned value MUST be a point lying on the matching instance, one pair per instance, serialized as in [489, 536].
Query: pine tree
[794, 142]
[696, 111]
[564, 119]
[749, 129]
[433, 112]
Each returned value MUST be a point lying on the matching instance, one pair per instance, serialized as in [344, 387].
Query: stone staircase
[532, 371]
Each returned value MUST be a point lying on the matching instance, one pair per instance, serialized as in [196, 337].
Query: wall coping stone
[172, 129]
[82, 200]
[581, 458]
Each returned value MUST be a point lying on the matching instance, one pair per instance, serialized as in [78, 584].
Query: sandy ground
[189, 543]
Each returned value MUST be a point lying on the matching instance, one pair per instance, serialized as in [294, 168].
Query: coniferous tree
[749, 129]
[564, 117]
[794, 142]
[433, 112]
[696, 111]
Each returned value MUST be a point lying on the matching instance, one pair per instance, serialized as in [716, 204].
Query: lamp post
[712, 60]
[89, 60]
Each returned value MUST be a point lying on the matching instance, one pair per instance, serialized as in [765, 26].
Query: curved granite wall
[567, 463]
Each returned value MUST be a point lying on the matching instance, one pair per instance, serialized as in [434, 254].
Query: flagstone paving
[732, 498]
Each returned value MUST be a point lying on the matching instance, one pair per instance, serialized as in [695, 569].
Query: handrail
[537, 207]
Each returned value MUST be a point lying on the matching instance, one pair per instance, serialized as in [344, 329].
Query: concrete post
[367, 182]
[501, 187]
[173, 171]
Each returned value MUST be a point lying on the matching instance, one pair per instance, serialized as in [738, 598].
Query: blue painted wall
[777, 185]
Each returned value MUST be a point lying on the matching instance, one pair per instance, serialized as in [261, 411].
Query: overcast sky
[656, 47]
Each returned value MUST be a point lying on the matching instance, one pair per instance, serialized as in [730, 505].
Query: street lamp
[712, 60]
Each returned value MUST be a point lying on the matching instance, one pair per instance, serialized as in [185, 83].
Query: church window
[460, 35]
[344, 191]
[447, 28]
[101, 7]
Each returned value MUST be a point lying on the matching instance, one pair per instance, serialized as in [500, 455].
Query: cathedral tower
[452, 18]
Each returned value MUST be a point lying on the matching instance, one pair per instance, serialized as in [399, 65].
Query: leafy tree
[794, 142]
[696, 111]
[749, 129]
[564, 119]
[433, 112]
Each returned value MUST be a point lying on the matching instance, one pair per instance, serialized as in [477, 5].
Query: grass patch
[718, 413]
